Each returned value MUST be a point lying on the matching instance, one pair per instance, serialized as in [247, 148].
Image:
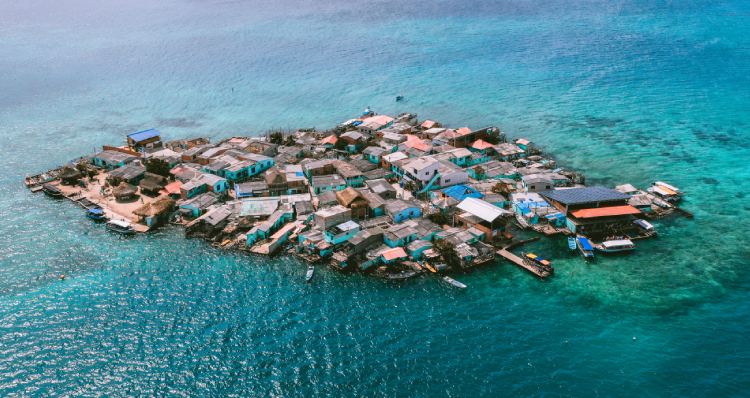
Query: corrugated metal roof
[574, 196]
[606, 212]
[139, 136]
[486, 211]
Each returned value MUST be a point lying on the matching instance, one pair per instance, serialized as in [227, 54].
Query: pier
[523, 264]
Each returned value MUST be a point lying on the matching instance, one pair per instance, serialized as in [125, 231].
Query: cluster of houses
[374, 192]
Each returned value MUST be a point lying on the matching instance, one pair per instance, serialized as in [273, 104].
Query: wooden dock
[522, 264]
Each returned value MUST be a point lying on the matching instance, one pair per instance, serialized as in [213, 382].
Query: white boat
[120, 226]
[310, 273]
[453, 282]
[616, 246]
[645, 225]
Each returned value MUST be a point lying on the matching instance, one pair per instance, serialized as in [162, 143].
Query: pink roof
[481, 145]
[392, 254]
[173, 187]
[379, 119]
[331, 139]
[463, 131]
[428, 124]
[412, 141]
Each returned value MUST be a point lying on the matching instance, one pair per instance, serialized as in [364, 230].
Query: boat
[52, 191]
[571, 243]
[543, 266]
[310, 273]
[120, 226]
[453, 282]
[585, 247]
[96, 214]
[616, 246]
[645, 225]
[399, 98]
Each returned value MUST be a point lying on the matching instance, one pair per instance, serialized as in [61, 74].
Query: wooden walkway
[522, 264]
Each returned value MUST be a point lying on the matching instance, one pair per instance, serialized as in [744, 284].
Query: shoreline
[391, 196]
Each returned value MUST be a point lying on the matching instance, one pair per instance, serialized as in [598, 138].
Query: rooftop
[144, 135]
[584, 195]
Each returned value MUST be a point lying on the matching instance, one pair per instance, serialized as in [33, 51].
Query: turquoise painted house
[341, 233]
[111, 160]
[418, 247]
[374, 154]
[400, 210]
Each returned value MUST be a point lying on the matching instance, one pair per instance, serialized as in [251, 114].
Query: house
[399, 235]
[191, 155]
[352, 199]
[417, 247]
[172, 189]
[276, 220]
[327, 198]
[400, 210]
[364, 165]
[382, 188]
[152, 183]
[508, 152]
[389, 161]
[594, 211]
[537, 182]
[374, 154]
[352, 176]
[375, 203]
[203, 183]
[450, 174]
[209, 154]
[421, 170]
[523, 143]
[353, 139]
[330, 216]
[131, 173]
[429, 124]
[166, 155]
[366, 239]
[393, 255]
[329, 142]
[258, 208]
[323, 183]
[111, 159]
[461, 192]
[531, 206]
[483, 216]
[375, 123]
[341, 233]
[250, 189]
[391, 139]
[197, 205]
[318, 167]
[144, 139]
[260, 147]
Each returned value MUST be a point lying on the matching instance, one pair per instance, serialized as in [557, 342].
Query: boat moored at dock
[585, 247]
[121, 227]
[52, 191]
[571, 243]
[310, 272]
[96, 214]
[616, 246]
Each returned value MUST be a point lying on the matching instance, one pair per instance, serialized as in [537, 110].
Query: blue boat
[96, 214]
[571, 243]
[585, 247]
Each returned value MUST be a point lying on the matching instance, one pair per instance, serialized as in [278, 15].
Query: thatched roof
[347, 196]
[69, 173]
[161, 205]
[124, 190]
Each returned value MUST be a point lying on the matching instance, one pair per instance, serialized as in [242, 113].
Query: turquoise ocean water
[625, 91]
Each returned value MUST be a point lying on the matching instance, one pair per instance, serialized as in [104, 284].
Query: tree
[276, 137]
[157, 166]
[448, 252]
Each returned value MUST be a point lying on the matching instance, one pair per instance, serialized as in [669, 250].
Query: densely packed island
[393, 196]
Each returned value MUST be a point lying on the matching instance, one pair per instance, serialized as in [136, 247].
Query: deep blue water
[625, 91]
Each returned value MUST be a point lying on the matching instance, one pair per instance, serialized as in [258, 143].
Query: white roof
[486, 211]
[395, 156]
[617, 242]
[347, 226]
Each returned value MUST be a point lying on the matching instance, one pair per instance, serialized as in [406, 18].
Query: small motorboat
[52, 191]
[454, 283]
[585, 247]
[571, 243]
[399, 98]
[644, 225]
[121, 227]
[310, 273]
[616, 246]
[96, 214]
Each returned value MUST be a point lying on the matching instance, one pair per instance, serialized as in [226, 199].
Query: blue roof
[144, 135]
[575, 196]
[461, 192]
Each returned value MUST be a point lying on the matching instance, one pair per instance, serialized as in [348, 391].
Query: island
[392, 196]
